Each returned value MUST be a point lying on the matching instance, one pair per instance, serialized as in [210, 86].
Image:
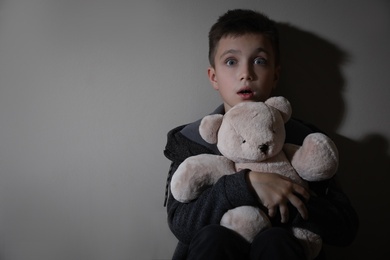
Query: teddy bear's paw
[185, 186]
[247, 221]
[311, 242]
[197, 173]
[317, 159]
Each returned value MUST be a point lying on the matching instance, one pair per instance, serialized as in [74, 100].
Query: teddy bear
[251, 135]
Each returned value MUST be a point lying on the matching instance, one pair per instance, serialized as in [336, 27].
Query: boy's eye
[231, 62]
[260, 61]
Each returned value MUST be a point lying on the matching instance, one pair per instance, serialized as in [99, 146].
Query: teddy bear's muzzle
[263, 148]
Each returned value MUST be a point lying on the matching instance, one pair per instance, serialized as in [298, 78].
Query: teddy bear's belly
[279, 165]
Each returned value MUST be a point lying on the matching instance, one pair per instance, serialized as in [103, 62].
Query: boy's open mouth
[245, 93]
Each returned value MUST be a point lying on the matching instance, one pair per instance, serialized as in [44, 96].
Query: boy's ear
[276, 76]
[212, 77]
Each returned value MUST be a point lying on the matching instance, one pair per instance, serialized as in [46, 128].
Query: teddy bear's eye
[243, 141]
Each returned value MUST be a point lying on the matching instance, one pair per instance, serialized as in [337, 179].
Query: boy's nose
[246, 73]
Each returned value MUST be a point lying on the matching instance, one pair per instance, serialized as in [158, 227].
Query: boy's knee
[217, 236]
[217, 242]
[214, 234]
[276, 243]
[275, 234]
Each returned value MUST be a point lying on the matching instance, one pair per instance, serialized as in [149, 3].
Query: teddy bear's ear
[209, 127]
[281, 104]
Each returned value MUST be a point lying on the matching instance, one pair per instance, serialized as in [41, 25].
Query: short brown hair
[239, 22]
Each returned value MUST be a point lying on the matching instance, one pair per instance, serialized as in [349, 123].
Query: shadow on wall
[311, 79]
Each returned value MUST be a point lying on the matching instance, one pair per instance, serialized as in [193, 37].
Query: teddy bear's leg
[247, 221]
[196, 173]
[311, 242]
[317, 158]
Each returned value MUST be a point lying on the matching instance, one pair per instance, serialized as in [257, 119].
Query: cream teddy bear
[251, 135]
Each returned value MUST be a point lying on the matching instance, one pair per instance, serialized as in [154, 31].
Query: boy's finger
[284, 214]
[271, 212]
[302, 191]
[299, 205]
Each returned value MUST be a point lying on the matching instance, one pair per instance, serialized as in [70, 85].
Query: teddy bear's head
[250, 131]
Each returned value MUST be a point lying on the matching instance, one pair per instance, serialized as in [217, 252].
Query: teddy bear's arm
[316, 159]
[198, 172]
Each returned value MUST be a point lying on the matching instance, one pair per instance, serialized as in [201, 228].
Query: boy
[244, 59]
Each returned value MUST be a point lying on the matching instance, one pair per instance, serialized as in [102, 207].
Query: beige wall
[88, 90]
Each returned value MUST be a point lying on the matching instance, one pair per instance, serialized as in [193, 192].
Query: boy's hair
[239, 22]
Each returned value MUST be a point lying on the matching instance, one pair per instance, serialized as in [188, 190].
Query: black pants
[217, 242]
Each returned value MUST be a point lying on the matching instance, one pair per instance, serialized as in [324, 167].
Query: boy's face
[244, 69]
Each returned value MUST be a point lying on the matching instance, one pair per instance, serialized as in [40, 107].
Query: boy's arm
[275, 192]
[186, 219]
[331, 214]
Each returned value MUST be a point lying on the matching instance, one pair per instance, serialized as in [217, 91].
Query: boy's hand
[275, 191]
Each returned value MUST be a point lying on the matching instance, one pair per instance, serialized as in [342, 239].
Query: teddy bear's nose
[263, 148]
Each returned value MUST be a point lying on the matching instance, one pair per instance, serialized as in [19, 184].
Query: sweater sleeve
[186, 219]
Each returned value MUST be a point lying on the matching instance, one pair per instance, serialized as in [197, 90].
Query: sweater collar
[191, 131]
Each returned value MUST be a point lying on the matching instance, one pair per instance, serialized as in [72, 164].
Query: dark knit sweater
[330, 212]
